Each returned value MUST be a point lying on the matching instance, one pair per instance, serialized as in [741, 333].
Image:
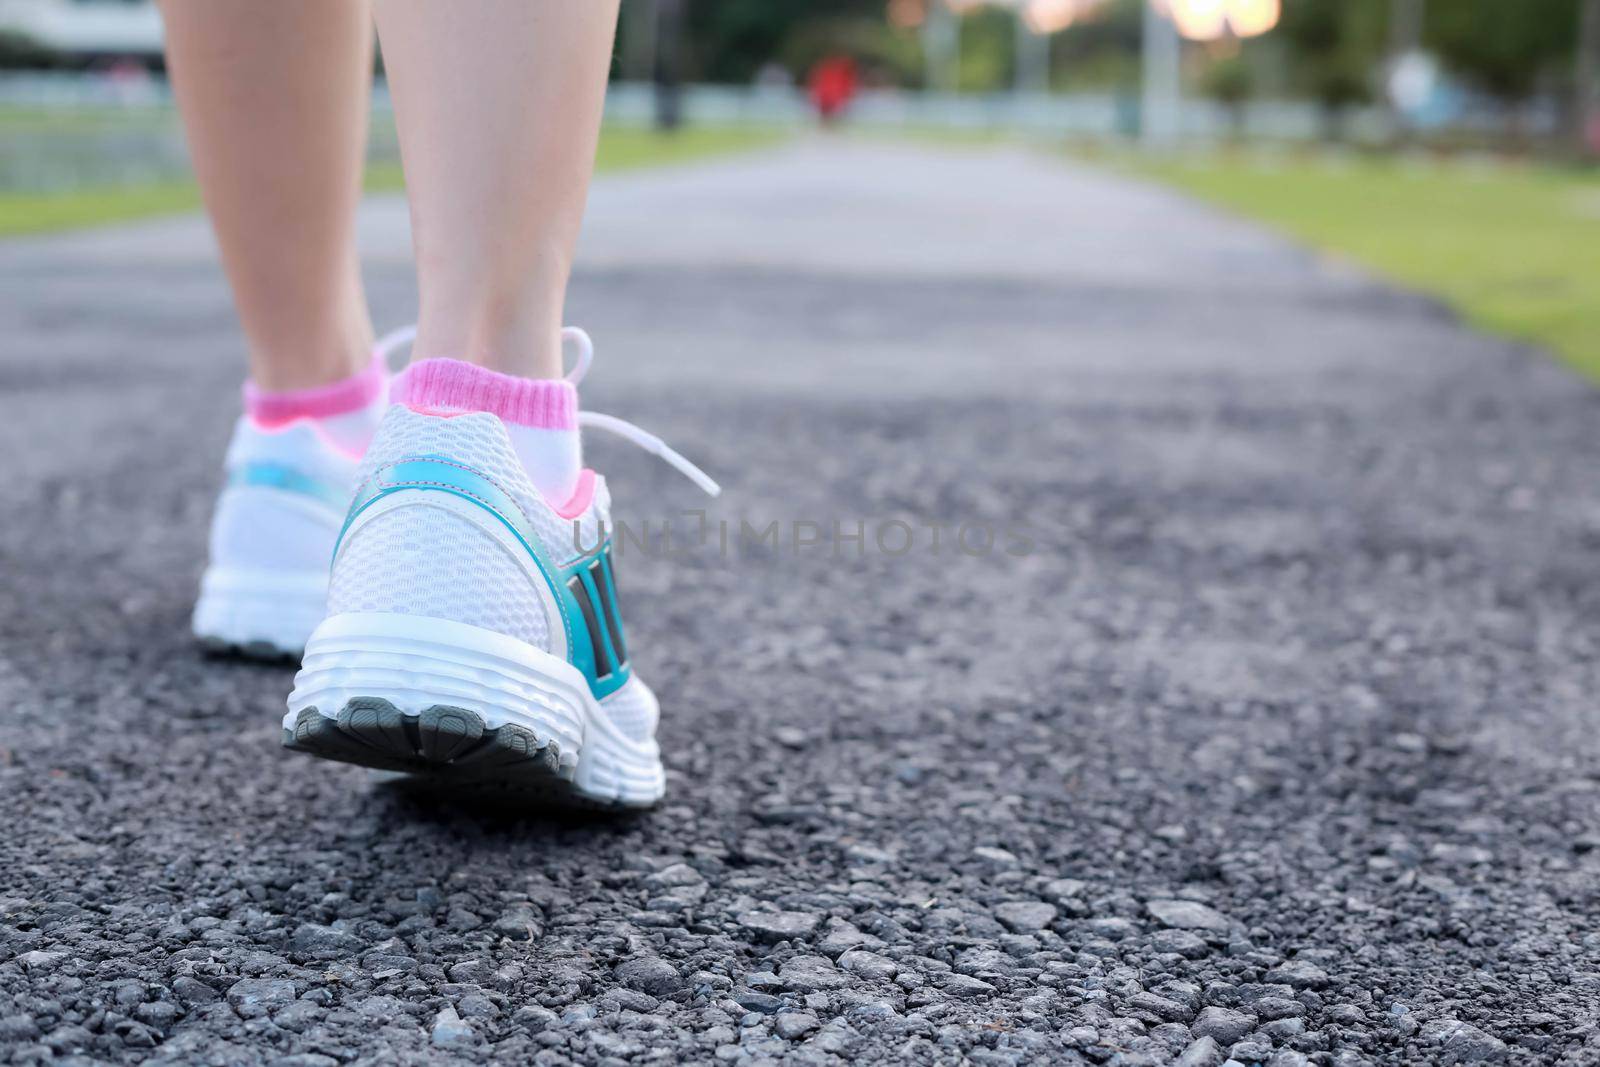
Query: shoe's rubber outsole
[465, 706]
[260, 650]
[446, 743]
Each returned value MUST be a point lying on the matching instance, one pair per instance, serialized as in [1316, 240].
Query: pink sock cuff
[275, 408]
[451, 385]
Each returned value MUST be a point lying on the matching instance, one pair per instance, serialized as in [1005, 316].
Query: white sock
[552, 458]
[352, 431]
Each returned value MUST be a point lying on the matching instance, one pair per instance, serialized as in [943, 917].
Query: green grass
[90, 119]
[1515, 249]
[629, 149]
[620, 149]
[22, 213]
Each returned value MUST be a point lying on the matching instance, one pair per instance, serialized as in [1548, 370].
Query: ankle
[311, 359]
[512, 333]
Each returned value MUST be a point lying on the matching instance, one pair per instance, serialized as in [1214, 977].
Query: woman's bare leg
[498, 104]
[274, 95]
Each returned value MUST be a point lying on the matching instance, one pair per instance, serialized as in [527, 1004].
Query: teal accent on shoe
[263, 475]
[443, 475]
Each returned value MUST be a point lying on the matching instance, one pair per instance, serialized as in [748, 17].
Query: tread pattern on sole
[445, 743]
[261, 650]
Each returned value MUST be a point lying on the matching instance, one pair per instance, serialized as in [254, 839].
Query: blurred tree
[1586, 81]
[18, 51]
[1405, 43]
[884, 52]
[1503, 48]
[1337, 50]
[1102, 50]
[667, 74]
[730, 40]
[1230, 81]
[988, 50]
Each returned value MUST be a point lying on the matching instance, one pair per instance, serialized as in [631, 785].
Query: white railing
[134, 134]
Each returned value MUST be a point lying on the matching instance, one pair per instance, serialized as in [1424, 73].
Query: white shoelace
[397, 339]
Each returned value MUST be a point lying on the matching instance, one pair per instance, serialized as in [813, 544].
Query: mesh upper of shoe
[427, 561]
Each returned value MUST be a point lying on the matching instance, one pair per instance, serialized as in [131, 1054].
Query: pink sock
[346, 411]
[540, 415]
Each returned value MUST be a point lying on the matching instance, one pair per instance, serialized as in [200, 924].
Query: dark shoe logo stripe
[579, 588]
[605, 581]
[591, 586]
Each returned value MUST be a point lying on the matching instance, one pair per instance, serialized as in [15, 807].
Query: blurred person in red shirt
[832, 85]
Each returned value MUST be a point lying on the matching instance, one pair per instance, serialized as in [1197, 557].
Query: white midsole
[277, 607]
[415, 663]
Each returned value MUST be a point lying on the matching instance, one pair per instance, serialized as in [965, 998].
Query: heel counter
[419, 555]
[493, 509]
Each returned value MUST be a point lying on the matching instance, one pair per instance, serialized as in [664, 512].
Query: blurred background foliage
[1328, 50]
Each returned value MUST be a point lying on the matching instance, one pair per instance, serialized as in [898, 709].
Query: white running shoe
[473, 630]
[265, 586]
[290, 470]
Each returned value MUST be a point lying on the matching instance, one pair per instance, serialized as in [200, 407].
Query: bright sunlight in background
[1210, 20]
[1197, 20]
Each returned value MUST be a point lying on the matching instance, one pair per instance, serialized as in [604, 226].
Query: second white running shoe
[290, 469]
[265, 585]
